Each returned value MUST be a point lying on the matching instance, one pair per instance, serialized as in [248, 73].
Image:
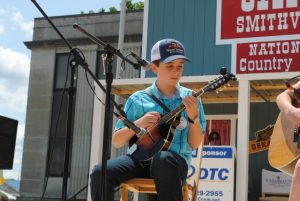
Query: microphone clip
[144, 64]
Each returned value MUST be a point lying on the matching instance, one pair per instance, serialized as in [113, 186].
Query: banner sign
[258, 18]
[275, 182]
[255, 146]
[216, 173]
[264, 34]
[268, 57]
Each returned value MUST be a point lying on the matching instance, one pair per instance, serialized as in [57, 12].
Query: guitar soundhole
[296, 134]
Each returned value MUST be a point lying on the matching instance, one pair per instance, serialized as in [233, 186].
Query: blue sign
[217, 152]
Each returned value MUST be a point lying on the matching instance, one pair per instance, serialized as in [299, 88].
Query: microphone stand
[79, 60]
[111, 51]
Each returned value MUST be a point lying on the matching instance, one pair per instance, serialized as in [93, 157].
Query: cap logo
[174, 48]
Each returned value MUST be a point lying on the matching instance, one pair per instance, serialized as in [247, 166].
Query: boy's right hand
[148, 120]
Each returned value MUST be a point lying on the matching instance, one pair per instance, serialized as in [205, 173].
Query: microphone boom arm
[106, 46]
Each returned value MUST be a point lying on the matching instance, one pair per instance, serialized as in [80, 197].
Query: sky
[16, 25]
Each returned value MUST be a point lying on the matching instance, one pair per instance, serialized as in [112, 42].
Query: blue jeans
[167, 168]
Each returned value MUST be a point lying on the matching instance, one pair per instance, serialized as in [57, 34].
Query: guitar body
[156, 139]
[283, 152]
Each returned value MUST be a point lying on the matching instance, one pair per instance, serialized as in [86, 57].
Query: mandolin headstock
[220, 80]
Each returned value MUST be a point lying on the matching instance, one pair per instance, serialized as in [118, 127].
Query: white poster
[216, 173]
[275, 182]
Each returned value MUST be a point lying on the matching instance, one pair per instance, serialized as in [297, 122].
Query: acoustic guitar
[283, 151]
[151, 141]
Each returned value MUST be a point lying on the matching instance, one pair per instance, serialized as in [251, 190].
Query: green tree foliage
[113, 9]
[129, 6]
[139, 5]
[134, 6]
[102, 10]
[3, 197]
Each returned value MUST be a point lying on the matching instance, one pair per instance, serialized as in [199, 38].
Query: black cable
[55, 132]
[59, 113]
[56, 126]
[74, 196]
[123, 64]
[93, 90]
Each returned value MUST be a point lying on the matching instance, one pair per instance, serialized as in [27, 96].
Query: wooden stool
[274, 197]
[142, 185]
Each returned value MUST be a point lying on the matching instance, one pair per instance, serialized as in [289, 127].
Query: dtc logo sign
[214, 174]
[240, 19]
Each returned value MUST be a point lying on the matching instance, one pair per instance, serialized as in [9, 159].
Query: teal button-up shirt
[140, 103]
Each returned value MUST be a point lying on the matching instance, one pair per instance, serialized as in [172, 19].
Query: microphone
[138, 131]
[142, 62]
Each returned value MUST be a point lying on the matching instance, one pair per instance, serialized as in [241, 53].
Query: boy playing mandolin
[168, 167]
[284, 102]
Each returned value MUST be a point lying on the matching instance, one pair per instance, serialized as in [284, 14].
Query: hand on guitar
[191, 105]
[148, 120]
[289, 105]
[294, 114]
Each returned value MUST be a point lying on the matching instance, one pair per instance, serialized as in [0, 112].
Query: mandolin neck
[179, 108]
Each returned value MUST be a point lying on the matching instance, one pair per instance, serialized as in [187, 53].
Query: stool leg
[185, 193]
[124, 193]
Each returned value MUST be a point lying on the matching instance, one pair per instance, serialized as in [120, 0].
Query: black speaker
[8, 133]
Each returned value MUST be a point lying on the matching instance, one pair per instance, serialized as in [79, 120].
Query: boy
[168, 168]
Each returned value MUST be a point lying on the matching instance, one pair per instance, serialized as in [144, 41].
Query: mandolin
[151, 141]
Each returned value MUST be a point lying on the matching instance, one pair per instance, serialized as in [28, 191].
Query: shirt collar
[155, 91]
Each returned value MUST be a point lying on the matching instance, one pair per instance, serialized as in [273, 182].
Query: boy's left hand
[191, 105]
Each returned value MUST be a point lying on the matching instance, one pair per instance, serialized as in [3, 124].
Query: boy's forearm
[122, 137]
[284, 102]
[195, 135]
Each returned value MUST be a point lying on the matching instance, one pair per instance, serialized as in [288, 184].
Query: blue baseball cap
[167, 50]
